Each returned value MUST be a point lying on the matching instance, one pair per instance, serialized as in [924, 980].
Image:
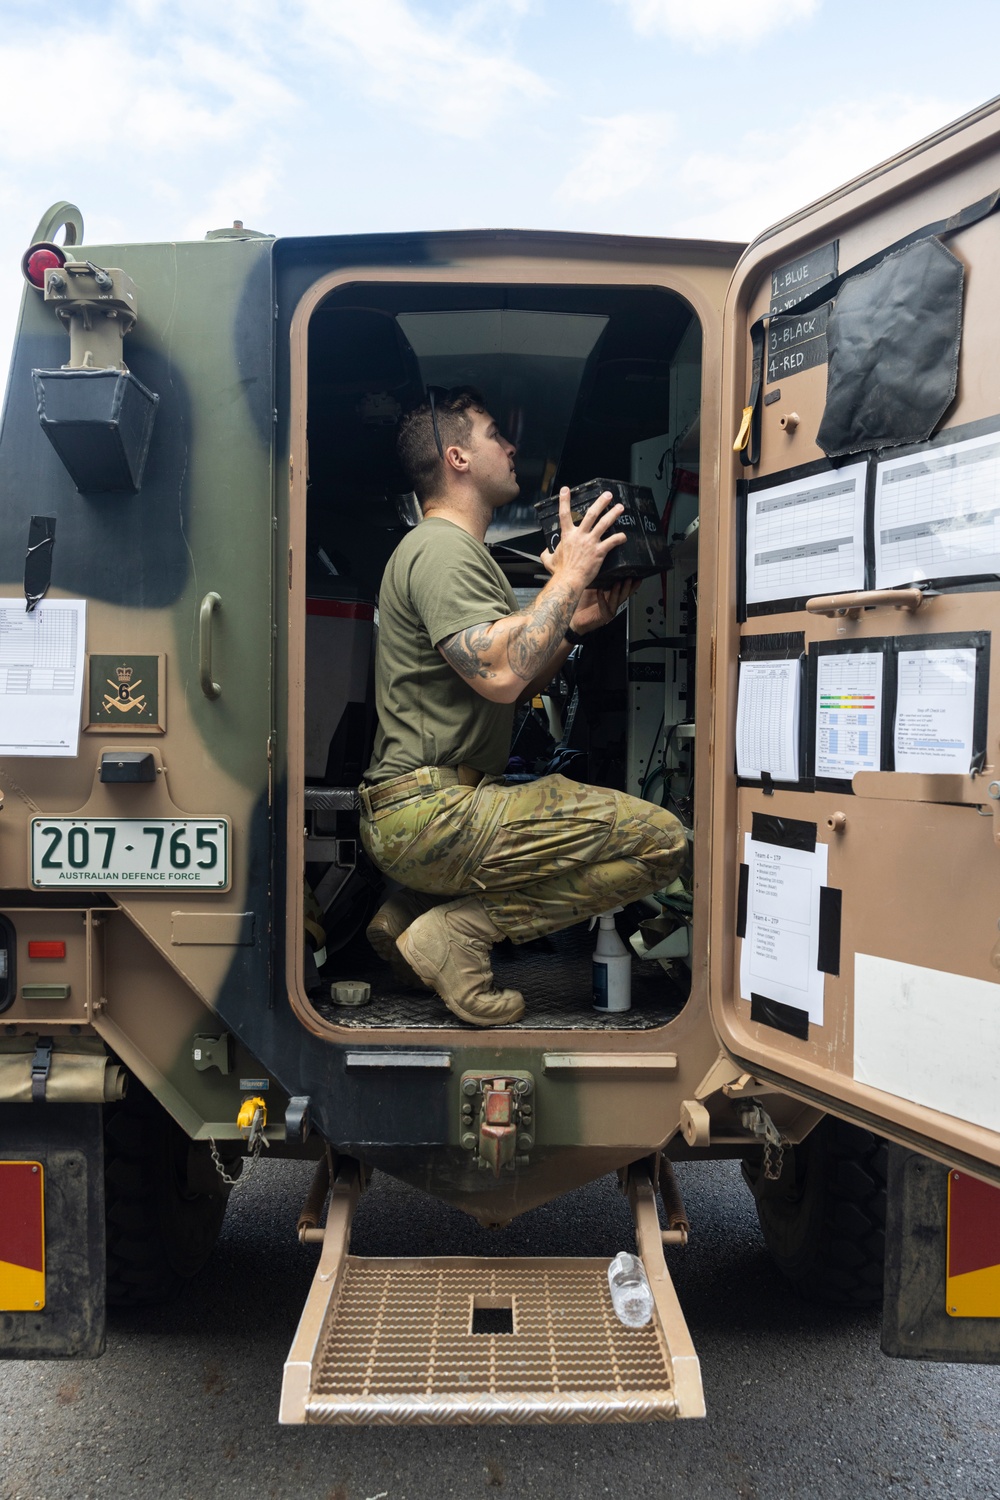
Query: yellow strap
[743, 436]
[315, 931]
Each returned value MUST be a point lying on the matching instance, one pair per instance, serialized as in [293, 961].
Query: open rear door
[855, 858]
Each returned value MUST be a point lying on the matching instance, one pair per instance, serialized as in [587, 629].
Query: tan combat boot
[389, 922]
[449, 947]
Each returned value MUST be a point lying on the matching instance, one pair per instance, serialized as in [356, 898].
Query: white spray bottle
[612, 967]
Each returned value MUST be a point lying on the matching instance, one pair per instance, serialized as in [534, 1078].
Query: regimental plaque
[126, 693]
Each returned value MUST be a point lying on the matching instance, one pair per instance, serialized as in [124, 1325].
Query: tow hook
[498, 1118]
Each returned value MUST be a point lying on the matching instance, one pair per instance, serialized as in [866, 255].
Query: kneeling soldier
[483, 861]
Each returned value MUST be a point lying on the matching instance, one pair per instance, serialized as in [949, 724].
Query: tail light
[38, 259]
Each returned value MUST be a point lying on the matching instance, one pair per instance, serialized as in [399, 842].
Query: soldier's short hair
[416, 445]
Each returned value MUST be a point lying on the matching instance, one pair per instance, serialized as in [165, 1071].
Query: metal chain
[773, 1159]
[257, 1140]
[756, 1119]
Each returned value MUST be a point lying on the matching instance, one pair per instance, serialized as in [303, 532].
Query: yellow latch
[253, 1113]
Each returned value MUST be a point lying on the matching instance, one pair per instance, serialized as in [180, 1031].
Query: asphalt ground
[801, 1403]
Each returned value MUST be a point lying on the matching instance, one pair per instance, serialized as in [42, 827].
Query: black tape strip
[790, 833]
[773, 645]
[787, 1018]
[741, 901]
[742, 501]
[828, 957]
[767, 783]
[38, 559]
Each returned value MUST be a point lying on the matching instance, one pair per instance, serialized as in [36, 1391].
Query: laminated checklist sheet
[806, 536]
[767, 720]
[781, 934]
[849, 702]
[935, 710]
[937, 513]
[41, 676]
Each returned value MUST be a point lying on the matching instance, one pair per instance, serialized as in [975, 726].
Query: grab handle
[851, 605]
[209, 605]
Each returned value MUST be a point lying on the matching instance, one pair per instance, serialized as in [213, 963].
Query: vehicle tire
[824, 1223]
[161, 1227]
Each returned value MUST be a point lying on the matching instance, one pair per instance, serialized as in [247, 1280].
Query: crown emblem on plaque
[124, 697]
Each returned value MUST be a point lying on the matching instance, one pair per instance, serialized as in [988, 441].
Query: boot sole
[455, 1006]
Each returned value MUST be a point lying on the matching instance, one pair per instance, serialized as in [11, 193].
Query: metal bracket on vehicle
[755, 1119]
[40, 1066]
[297, 1122]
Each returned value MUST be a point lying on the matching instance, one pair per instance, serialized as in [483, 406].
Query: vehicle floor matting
[553, 974]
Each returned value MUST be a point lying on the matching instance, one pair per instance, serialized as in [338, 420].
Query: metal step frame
[390, 1342]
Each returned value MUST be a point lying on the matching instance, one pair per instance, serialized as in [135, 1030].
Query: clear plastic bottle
[630, 1290]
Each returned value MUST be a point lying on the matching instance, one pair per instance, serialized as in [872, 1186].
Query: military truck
[198, 492]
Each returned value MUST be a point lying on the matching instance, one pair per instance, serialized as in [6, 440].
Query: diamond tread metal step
[391, 1343]
[399, 1347]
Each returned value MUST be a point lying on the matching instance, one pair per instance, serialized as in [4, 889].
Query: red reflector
[46, 950]
[42, 260]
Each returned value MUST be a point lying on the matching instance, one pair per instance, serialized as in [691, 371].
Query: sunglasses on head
[441, 394]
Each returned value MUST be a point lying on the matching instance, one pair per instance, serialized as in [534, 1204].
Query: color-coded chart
[848, 713]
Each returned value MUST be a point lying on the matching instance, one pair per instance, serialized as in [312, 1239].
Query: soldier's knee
[666, 843]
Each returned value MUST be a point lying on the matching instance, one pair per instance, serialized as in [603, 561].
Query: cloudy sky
[164, 118]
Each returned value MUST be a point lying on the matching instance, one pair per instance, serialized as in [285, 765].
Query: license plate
[22, 1236]
[141, 852]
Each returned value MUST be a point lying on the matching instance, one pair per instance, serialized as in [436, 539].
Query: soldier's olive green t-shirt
[439, 580]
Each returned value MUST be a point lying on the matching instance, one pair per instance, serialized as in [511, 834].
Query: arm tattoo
[466, 652]
[537, 635]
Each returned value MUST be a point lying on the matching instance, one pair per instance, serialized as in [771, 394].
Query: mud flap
[932, 1297]
[65, 1242]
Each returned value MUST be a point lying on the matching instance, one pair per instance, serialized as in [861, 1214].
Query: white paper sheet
[848, 712]
[781, 946]
[930, 1036]
[767, 719]
[41, 676]
[807, 536]
[937, 514]
[935, 700]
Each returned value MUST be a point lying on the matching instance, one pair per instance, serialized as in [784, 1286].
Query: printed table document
[848, 713]
[807, 536]
[781, 946]
[935, 704]
[767, 719]
[937, 514]
[41, 676]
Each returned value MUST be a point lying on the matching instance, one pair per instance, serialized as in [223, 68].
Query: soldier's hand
[598, 607]
[582, 549]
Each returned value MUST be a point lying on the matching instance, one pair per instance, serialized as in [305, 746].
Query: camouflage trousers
[541, 855]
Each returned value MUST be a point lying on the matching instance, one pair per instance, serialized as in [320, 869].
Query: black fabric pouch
[893, 337]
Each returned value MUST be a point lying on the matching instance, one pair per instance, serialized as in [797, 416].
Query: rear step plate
[457, 1341]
